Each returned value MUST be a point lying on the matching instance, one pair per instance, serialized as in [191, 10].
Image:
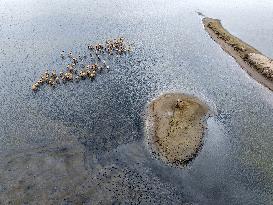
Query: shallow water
[84, 143]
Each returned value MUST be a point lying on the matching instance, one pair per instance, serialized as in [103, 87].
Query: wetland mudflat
[83, 143]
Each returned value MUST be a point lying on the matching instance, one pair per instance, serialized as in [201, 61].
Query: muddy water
[85, 143]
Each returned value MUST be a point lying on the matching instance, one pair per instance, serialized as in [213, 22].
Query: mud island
[175, 127]
[250, 59]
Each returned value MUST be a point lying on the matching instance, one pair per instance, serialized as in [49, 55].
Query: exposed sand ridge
[250, 59]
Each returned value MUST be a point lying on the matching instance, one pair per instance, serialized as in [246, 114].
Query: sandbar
[257, 65]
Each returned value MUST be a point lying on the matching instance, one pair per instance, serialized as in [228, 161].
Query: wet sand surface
[177, 128]
[85, 143]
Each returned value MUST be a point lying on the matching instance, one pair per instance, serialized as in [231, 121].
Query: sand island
[175, 127]
[250, 59]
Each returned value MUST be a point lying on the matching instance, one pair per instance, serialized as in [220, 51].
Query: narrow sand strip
[250, 59]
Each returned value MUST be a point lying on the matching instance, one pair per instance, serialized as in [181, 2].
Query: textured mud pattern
[58, 175]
